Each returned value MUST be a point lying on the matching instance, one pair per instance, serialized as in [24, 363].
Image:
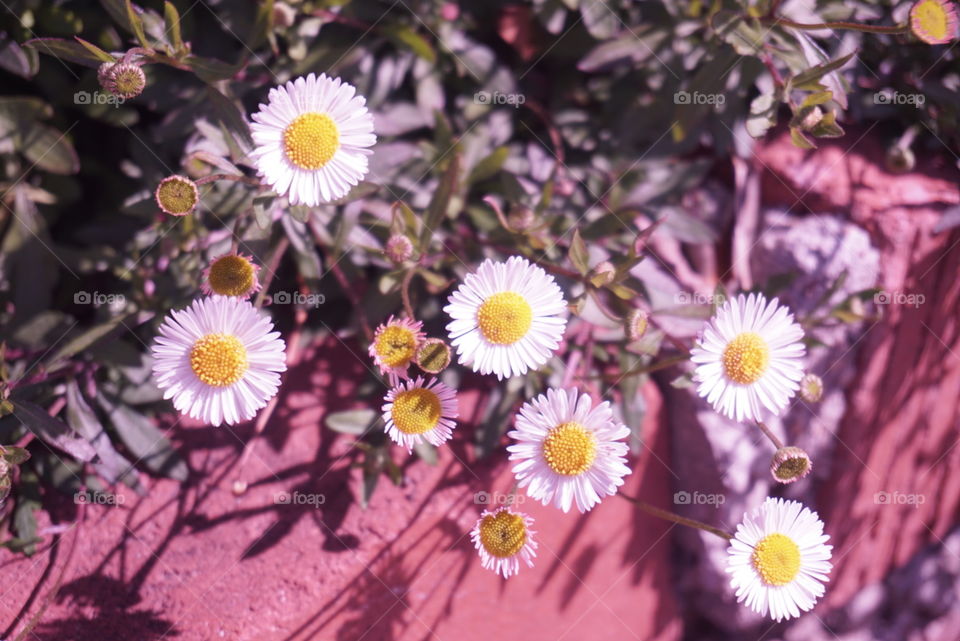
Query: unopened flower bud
[812, 119]
[900, 159]
[126, 80]
[811, 388]
[636, 324]
[432, 356]
[398, 248]
[521, 218]
[103, 74]
[603, 274]
[283, 15]
[177, 195]
[790, 464]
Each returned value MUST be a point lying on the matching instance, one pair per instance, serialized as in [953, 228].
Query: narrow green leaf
[65, 50]
[489, 166]
[578, 253]
[53, 431]
[137, 25]
[50, 150]
[404, 36]
[15, 455]
[102, 55]
[440, 202]
[171, 26]
[815, 73]
[146, 442]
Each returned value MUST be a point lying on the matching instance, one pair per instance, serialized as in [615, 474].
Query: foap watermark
[98, 498]
[298, 298]
[97, 299]
[698, 498]
[696, 298]
[97, 98]
[498, 498]
[899, 298]
[299, 498]
[897, 98]
[899, 498]
[497, 98]
[698, 98]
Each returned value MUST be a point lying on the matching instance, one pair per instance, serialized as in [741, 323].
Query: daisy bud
[812, 119]
[790, 464]
[125, 80]
[636, 325]
[899, 159]
[283, 15]
[177, 195]
[398, 249]
[934, 21]
[603, 274]
[433, 356]
[521, 218]
[811, 388]
[103, 74]
[231, 275]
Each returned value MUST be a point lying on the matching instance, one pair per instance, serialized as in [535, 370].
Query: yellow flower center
[177, 196]
[931, 21]
[504, 318]
[416, 411]
[777, 559]
[219, 360]
[503, 534]
[395, 346]
[311, 140]
[570, 449]
[746, 358]
[231, 275]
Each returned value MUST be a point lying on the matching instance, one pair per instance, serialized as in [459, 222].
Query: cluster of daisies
[219, 360]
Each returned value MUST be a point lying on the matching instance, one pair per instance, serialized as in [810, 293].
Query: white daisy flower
[394, 346]
[418, 411]
[749, 355]
[312, 139]
[778, 560]
[503, 538]
[507, 318]
[568, 452]
[218, 359]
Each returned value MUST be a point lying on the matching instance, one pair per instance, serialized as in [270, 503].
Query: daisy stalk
[666, 515]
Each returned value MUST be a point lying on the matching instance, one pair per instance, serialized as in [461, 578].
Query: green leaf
[800, 139]
[578, 253]
[145, 441]
[171, 26]
[102, 55]
[50, 150]
[15, 455]
[53, 431]
[65, 50]
[231, 118]
[136, 24]
[489, 166]
[808, 79]
[354, 422]
[83, 340]
[111, 465]
[440, 202]
[404, 36]
[210, 70]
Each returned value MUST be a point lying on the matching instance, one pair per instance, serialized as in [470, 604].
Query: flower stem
[235, 178]
[676, 518]
[405, 293]
[850, 26]
[777, 443]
